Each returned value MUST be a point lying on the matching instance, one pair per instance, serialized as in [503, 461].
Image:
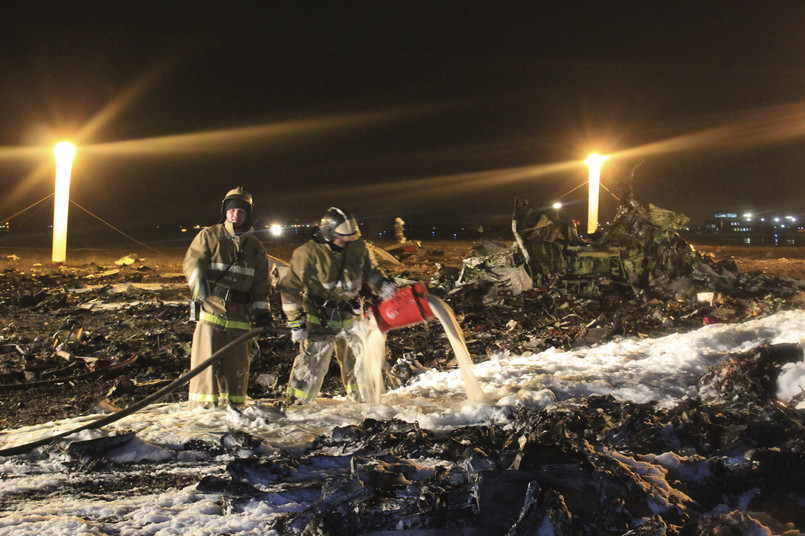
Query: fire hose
[408, 307]
[182, 380]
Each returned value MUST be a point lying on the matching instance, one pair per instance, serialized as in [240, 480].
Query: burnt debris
[83, 340]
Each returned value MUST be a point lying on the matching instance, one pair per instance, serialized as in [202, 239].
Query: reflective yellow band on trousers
[226, 324]
[335, 324]
[300, 394]
[196, 397]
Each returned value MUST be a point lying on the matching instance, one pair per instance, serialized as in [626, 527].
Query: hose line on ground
[182, 380]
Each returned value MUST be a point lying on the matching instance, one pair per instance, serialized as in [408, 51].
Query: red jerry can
[406, 308]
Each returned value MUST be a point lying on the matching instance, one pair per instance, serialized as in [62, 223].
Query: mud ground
[117, 357]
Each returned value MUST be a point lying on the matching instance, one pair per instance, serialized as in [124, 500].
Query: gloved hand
[387, 290]
[298, 334]
[263, 319]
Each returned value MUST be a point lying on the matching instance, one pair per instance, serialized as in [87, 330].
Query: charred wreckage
[583, 466]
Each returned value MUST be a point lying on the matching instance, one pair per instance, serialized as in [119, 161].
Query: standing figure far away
[399, 230]
[322, 288]
[227, 270]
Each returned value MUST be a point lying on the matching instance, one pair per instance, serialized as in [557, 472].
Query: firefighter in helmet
[322, 288]
[227, 269]
[399, 230]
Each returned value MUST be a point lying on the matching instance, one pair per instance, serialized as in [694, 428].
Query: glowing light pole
[557, 205]
[594, 162]
[64, 162]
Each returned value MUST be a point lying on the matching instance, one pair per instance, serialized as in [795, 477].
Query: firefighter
[322, 288]
[399, 230]
[227, 269]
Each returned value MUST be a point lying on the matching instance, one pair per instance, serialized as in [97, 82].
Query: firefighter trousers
[225, 382]
[313, 362]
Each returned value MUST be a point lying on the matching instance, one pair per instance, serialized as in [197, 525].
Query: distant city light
[64, 153]
[276, 229]
[748, 215]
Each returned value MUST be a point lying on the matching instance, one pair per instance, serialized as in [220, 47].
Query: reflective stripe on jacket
[206, 261]
[329, 276]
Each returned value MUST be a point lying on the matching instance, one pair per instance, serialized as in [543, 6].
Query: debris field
[96, 336]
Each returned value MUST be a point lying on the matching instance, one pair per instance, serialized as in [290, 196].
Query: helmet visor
[348, 230]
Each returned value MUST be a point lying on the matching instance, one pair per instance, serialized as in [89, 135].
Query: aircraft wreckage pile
[581, 466]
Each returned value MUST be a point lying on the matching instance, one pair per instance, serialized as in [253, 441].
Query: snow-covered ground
[35, 496]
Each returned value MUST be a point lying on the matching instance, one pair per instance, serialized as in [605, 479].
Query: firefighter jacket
[229, 272]
[326, 284]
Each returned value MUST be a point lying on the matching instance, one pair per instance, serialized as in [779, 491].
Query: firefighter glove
[387, 290]
[298, 334]
[263, 319]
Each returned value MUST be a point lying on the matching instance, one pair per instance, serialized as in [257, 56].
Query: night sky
[438, 112]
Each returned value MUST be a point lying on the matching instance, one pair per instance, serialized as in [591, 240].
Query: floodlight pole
[64, 152]
[557, 205]
[594, 162]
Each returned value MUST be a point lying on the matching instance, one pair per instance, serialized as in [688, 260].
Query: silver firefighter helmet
[339, 223]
